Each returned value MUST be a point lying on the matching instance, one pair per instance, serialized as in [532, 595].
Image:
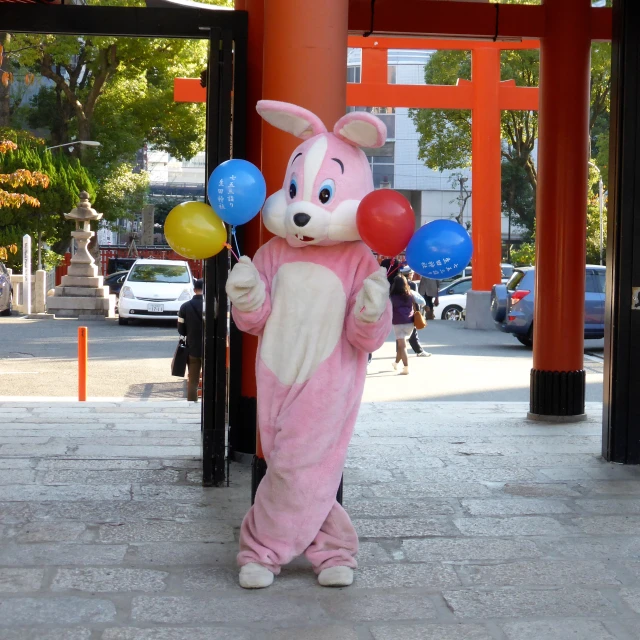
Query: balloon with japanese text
[236, 191]
[385, 221]
[194, 231]
[440, 249]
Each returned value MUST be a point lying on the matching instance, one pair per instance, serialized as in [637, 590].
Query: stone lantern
[82, 293]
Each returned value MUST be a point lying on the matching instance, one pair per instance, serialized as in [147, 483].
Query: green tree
[118, 91]
[593, 220]
[122, 191]
[66, 178]
[518, 196]
[525, 254]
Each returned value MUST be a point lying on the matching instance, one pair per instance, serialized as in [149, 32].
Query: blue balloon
[439, 250]
[236, 191]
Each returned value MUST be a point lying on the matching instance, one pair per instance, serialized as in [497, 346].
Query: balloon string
[235, 238]
[233, 253]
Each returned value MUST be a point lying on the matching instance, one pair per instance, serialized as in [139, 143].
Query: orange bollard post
[82, 363]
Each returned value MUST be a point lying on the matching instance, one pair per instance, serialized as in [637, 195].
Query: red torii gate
[485, 95]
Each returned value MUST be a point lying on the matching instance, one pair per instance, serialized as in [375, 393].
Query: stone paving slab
[475, 524]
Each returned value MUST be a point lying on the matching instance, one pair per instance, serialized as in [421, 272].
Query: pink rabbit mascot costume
[319, 303]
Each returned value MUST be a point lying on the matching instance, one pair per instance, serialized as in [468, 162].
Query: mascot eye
[326, 191]
[293, 188]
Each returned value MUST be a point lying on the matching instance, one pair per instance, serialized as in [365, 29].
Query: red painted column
[305, 62]
[557, 378]
[485, 167]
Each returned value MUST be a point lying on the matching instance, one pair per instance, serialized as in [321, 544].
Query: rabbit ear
[361, 129]
[291, 118]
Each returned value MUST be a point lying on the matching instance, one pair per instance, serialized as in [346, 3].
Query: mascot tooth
[319, 303]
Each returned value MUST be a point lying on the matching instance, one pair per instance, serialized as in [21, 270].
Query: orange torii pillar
[486, 216]
[305, 61]
[558, 376]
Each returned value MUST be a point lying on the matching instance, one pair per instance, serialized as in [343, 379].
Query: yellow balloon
[194, 230]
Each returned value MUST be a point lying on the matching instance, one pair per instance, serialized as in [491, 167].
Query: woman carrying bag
[402, 321]
[419, 319]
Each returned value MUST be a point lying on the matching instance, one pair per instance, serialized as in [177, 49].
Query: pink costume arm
[367, 336]
[253, 321]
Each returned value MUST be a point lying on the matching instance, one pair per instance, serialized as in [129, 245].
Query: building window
[382, 168]
[353, 74]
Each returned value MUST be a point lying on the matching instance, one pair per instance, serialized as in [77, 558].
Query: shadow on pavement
[166, 390]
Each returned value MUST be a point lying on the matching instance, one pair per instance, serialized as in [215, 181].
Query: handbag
[418, 319]
[180, 357]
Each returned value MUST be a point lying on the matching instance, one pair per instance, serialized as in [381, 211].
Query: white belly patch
[308, 307]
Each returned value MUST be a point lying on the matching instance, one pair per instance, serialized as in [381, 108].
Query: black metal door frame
[225, 127]
[621, 411]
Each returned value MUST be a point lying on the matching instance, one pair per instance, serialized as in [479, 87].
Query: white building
[171, 177]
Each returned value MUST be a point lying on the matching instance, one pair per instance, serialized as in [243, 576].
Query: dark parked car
[119, 264]
[6, 292]
[512, 304]
[115, 281]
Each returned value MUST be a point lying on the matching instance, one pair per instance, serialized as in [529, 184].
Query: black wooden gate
[226, 112]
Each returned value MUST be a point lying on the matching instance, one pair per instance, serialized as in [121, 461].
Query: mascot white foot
[255, 576]
[336, 577]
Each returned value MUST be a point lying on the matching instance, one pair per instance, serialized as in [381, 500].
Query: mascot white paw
[245, 287]
[336, 577]
[255, 576]
[372, 299]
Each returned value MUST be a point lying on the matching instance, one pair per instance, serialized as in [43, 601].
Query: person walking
[402, 320]
[414, 339]
[190, 325]
[428, 289]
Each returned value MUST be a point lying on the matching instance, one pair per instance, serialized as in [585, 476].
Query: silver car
[5, 291]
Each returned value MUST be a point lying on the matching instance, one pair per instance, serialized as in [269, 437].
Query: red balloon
[385, 221]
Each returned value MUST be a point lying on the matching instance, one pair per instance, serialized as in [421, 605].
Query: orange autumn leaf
[16, 200]
[7, 145]
[24, 176]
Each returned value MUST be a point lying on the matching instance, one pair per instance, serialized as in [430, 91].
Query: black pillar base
[258, 470]
[242, 430]
[557, 394]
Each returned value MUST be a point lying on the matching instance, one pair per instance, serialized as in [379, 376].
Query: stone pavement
[474, 524]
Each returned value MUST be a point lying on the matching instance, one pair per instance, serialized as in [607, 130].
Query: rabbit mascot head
[326, 178]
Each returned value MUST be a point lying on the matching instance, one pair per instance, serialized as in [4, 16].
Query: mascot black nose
[301, 219]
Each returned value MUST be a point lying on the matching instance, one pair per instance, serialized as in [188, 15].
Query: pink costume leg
[305, 445]
[336, 543]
